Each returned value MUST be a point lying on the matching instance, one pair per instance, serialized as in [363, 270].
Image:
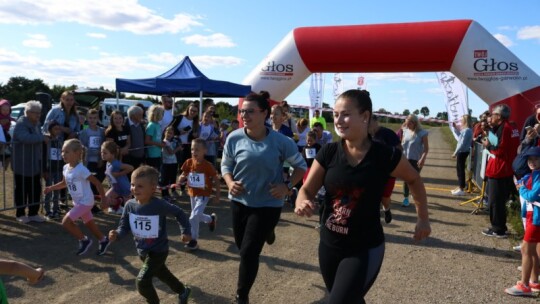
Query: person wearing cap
[529, 190]
[499, 171]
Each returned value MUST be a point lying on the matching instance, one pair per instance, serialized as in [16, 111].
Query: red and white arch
[462, 47]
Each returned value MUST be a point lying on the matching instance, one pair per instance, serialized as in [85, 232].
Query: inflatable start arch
[462, 47]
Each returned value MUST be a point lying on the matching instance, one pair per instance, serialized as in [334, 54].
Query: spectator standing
[499, 171]
[167, 103]
[119, 133]
[317, 118]
[92, 138]
[303, 129]
[323, 137]
[153, 139]
[66, 115]
[288, 118]
[54, 165]
[137, 130]
[28, 163]
[415, 148]
[463, 148]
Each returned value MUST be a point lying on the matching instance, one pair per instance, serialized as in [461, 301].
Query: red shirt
[500, 166]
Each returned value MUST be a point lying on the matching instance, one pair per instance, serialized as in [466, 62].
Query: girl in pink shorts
[77, 179]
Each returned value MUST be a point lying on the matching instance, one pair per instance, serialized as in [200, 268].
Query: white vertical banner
[456, 101]
[338, 85]
[316, 92]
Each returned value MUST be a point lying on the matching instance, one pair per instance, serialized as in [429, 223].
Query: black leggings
[251, 226]
[461, 159]
[414, 164]
[348, 276]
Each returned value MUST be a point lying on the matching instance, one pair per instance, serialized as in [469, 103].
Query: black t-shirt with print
[353, 195]
[119, 137]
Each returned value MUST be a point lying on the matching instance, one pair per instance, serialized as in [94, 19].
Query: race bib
[311, 153]
[75, 189]
[144, 226]
[196, 180]
[94, 142]
[56, 154]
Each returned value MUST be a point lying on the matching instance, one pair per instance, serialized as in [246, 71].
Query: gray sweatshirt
[147, 223]
[27, 148]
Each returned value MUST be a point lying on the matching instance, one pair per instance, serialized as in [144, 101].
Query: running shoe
[192, 245]
[103, 245]
[405, 202]
[183, 297]
[84, 245]
[519, 290]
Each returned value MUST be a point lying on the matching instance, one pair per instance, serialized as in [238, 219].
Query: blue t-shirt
[120, 184]
[154, 131]
[258, 164]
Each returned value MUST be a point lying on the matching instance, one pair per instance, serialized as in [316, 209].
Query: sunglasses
[247, 111]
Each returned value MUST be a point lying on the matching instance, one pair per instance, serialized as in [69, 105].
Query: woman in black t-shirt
[118, 132]
[354, 172]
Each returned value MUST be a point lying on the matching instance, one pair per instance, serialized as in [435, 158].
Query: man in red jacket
[503, 144]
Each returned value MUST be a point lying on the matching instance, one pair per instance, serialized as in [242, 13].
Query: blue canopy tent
[183, 80]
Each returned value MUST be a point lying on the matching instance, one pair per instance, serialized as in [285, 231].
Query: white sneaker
[36, 218]
[455, 190]
[23, 219]
[517, 248]
[459, 193]
[111, 210]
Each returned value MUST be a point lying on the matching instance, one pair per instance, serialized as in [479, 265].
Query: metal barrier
[26, 168]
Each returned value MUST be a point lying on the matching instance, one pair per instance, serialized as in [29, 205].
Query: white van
[110, 104]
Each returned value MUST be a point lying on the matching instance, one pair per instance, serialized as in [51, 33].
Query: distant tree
[442, 115]
[20, 89]
[325, 105]
[424, 111]
[223, 110]
[382, 110]
[57, 91]
[406, 112]
[416, 112]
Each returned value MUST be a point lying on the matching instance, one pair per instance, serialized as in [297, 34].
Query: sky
[91, 43]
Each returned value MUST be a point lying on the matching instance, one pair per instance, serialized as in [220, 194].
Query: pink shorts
[532, 232]
[389, 187]
[83, 212]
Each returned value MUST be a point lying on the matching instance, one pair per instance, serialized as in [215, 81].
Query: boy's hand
[181, 179]
[113, 235]
[36, 276]
[185, 238]
[46, 190]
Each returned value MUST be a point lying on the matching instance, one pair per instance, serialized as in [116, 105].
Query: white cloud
[165, 57]
[117, 15]
[37, 41]
[529, 32]
[505, 40]
[214, 61]
[507, 28]
[82, 72]
[97, 72]
[214, 40]
[97, 35]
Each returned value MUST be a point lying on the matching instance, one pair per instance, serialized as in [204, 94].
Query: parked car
[110, 104]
